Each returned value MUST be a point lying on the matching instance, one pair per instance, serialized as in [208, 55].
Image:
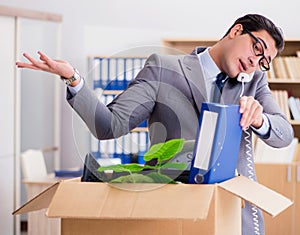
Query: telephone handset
[245, 77]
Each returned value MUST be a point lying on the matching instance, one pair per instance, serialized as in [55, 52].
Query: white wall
[7, 138]
[107, 27]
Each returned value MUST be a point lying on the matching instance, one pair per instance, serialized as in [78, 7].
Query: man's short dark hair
[255, 22]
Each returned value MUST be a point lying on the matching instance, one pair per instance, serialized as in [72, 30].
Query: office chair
[33, 164]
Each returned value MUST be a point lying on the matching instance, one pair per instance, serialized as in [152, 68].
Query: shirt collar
[208, 64]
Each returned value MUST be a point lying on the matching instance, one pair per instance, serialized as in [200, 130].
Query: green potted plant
[136, 173]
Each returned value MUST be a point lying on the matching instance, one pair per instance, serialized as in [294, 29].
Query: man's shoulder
[260, 77]
[167, 60]
[163, 61]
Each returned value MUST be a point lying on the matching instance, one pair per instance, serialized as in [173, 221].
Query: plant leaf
[164, 151]
[174, 165]
[132, 167]
[133, 178]
[116, 168]
[161, 178]
[153, 152]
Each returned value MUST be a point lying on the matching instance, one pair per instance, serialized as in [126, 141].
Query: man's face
[248, 52]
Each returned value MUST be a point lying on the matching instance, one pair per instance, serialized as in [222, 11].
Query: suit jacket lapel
[194, 75]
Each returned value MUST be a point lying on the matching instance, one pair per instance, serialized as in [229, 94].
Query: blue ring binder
[217, 144]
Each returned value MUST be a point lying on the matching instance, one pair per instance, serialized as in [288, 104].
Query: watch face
[76, 75]
[186, 155]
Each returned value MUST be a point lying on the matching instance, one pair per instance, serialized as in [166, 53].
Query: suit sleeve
[281, 132]
[126, 111]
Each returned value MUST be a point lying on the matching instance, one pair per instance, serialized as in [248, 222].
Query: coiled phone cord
[250, 171]
[251, 177]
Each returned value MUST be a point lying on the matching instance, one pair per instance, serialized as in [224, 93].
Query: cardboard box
[283, 178]
[102, 208]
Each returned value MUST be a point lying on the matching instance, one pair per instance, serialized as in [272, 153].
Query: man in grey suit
[169, 91]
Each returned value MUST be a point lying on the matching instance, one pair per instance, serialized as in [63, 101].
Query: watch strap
[75, 77]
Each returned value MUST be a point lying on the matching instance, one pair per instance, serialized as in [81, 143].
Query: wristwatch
[75, 77]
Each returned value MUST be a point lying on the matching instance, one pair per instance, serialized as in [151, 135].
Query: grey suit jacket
[169, 91]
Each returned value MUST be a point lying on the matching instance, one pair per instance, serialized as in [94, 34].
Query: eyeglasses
[258, 50]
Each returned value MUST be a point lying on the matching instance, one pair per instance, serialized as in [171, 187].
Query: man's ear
[236, 30]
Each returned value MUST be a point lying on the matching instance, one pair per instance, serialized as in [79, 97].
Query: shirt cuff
[265, 127]
[75, 89]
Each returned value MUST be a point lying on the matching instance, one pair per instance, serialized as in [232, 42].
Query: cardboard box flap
[102, 200]
[266, 199]
[39, 202]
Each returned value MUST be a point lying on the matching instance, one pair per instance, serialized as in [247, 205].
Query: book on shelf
[271, 73]
[281, 96]
[280, 68]
[294, 107]
[288, 66]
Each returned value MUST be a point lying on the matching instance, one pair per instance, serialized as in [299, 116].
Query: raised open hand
[59, 67]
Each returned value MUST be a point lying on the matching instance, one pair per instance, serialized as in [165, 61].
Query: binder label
[205, 140]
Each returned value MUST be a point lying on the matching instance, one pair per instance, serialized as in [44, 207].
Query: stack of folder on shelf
[115, 73]
[111, 75]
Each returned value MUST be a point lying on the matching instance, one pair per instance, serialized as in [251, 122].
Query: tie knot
[221, 76]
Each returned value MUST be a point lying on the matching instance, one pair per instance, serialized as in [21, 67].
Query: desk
[38, 223]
